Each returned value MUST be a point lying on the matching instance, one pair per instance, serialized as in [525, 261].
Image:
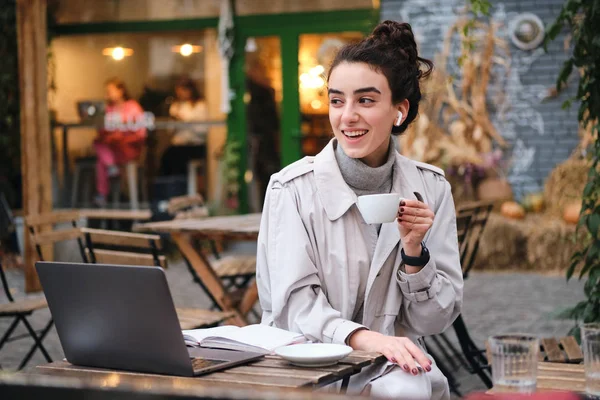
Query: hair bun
[399, 36]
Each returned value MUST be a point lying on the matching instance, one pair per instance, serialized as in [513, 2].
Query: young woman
[189, 143]
[324, 272]
[121, 142]
[188, 106]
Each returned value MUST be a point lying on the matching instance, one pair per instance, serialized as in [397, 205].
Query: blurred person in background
[188, 143]
[119, 141]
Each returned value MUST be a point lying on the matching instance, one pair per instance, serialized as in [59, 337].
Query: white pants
[389, 381]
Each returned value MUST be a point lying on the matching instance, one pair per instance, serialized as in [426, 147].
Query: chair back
[43, 232]
[6, 217]
[116, 247]
[5, 284]
[479, 213]
[462, 230]
[182, 207]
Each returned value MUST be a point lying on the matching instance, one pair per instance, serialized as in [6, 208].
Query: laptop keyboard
[199, 364]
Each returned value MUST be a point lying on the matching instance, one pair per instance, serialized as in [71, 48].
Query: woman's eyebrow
[367, 90]
[357, 91]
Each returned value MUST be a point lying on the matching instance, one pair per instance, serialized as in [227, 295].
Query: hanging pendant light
[117, 53]
[186, 49]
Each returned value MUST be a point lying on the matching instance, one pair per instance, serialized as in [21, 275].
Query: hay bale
[550, 244]
[503, 245]
[565, 185]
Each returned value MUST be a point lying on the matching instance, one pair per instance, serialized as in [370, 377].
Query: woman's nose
[349, 115]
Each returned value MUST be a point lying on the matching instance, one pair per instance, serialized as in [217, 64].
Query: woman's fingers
[409, 364]
[413, 203]
[414, 220]
[418, 354]
[413, 211]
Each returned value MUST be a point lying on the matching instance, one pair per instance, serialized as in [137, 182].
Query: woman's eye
[335, 101]
[365, 100]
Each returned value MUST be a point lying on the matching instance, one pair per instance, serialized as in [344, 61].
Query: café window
[151, 65]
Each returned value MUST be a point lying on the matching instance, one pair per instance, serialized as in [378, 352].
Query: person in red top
[121, 139]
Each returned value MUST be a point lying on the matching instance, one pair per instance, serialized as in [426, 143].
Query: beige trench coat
[314, 248]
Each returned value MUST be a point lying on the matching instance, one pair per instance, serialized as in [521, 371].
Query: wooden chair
[18, 311]
[479, 213]
[42, 233]
[183, 207]
[236, 271]
[441, 341]
[43, 230]
[113, 247]
[471, 220]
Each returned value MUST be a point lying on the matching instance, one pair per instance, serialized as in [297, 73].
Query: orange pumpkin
[571, 212]
[513, 210]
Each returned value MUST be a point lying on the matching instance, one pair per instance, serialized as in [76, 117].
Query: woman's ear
[402, 109]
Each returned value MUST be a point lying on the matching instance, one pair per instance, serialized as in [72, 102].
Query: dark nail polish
[406, 367]
[401, 210]
[414, 371]
[428, 368]
[402, 203]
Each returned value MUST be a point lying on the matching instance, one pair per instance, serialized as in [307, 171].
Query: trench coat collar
[335, 194]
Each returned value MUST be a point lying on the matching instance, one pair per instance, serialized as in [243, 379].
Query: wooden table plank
[232, 227]
[107, 213]
[263, 380]
[314, 376]
[572, 349]
[337, 369]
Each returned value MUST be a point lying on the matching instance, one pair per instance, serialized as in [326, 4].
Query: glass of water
[514, 362]
[590, 341]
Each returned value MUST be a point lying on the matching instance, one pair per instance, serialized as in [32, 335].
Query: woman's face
[113, 93]
[361, 111]
[182, 93]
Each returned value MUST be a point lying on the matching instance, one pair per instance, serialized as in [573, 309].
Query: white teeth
[354, 133]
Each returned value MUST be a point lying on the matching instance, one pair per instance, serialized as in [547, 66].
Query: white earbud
[398, 120]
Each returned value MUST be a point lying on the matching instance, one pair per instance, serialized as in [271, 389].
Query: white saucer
[313, 354]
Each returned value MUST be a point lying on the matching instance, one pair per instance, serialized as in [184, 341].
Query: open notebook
[256, 338]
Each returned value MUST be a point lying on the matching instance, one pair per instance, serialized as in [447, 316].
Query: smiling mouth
[355, 133]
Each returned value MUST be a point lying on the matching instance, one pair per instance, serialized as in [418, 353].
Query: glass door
[262, 99]
[279, 65]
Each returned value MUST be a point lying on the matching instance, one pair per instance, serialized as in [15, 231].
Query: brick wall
[541, 133]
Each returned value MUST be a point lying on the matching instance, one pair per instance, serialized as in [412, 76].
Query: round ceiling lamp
[186, 49]
[526, 31]
[117, 53]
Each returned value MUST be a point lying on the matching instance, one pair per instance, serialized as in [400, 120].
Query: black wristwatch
[420, 261]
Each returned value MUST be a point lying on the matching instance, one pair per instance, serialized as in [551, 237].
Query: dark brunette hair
[119, 84]
[392, 50]
[190, 85]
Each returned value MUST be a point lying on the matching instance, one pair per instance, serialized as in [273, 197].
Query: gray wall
[541, 134]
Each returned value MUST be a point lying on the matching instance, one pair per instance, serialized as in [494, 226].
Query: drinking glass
[514, 362]
[590, 341]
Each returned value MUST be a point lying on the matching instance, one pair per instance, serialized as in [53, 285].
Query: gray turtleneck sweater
[363, 179]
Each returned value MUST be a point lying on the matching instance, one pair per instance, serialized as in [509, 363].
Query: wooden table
[271, 372]
[237, 227]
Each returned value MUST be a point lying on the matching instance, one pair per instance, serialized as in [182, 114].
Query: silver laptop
[123, 317]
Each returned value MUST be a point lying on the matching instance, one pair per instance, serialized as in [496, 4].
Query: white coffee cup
[379, 208]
